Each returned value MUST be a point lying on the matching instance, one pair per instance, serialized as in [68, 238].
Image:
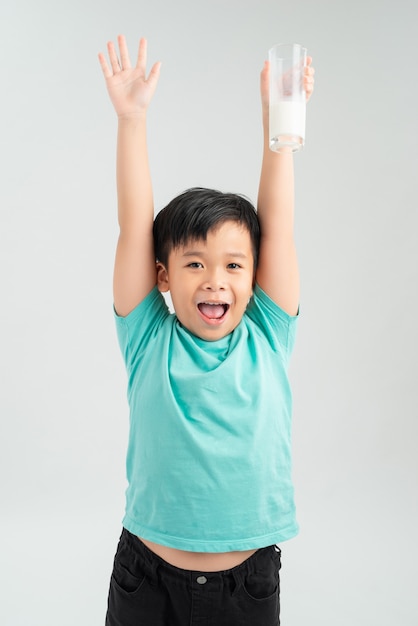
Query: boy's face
[210, 282]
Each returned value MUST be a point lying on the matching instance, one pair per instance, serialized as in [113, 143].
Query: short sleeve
[278, 326]
[137, 329]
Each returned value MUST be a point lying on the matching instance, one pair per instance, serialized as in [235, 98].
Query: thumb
[154, 74]
[264, 81]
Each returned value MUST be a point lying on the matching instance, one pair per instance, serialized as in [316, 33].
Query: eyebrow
[239, 255]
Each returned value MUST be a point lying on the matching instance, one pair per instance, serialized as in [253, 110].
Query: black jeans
[147, 591]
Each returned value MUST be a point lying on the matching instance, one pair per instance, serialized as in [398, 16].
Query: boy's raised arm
[277, 271]
[131, 91]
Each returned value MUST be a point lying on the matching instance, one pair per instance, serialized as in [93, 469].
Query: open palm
[129, 88]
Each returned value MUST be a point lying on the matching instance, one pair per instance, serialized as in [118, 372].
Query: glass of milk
[287, 107]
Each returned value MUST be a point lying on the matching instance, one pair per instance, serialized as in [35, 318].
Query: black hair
[195, 212]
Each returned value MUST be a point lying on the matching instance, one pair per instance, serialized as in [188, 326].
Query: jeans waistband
[155, 566]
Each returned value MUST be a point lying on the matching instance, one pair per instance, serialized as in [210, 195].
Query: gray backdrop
[63, 402]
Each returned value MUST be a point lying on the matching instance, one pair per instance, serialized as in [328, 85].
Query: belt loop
[154, 578]
[238, 581]
[152, 565]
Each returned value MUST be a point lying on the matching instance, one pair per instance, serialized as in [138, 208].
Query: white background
[63, 402]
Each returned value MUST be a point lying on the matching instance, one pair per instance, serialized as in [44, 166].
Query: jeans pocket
[262, 582]
[128, 572]
[127, 581]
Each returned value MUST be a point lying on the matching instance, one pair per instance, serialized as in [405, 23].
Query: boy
[209, 488]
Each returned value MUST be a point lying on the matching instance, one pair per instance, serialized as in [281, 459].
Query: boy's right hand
[129, 88]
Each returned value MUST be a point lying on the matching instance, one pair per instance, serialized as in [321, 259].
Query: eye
[195, 265]
[233, 266]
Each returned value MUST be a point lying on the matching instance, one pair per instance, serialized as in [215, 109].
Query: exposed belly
[199, 561]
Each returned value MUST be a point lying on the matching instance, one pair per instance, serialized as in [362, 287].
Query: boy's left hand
[308, 81]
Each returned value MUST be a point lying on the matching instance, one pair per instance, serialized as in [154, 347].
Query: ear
[162, 277]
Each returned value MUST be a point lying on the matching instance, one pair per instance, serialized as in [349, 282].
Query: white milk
[287, 118]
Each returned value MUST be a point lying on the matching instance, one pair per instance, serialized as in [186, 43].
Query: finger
[265, 74]
[308, 90]
[105, 68]
[308, 69]
[308, 80]
[141, 61]
[113, 57]
[154, 74]
[124, 54]
[266, 68]
[265, 83]
[308, 86]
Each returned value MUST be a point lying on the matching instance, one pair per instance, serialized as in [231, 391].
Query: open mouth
[213, 310]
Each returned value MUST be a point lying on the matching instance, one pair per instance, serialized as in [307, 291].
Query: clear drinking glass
[287, 98]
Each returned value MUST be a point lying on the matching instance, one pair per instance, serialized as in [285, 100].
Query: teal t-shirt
[209, 453]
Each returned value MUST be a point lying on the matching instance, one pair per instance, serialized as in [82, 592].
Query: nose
[214, 281]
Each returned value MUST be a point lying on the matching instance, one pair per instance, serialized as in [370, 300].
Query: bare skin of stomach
[199, 561]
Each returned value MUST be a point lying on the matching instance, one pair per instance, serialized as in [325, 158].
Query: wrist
[132, 117]
[265, 121]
